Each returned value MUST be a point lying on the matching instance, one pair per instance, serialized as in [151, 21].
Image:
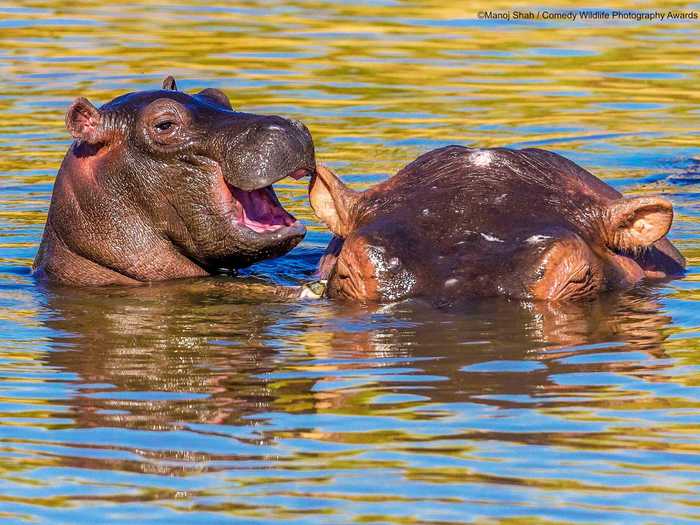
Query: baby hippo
[460, 223]
[162, 185]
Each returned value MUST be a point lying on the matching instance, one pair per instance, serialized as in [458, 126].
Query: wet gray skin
[163, 184]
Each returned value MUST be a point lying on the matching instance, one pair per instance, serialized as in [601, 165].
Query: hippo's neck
[93, 237]
[56, 262]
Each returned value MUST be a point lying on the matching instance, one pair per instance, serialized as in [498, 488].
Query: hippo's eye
[568, 269]
[165, 122]
[164, 126]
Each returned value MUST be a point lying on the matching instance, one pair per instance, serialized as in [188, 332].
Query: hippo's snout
[270, 149]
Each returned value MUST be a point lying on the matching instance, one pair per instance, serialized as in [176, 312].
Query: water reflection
[202, 403]
[284, 397]
[202, 341]
[170, 354]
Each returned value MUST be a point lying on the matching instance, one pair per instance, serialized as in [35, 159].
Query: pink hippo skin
[460, 223]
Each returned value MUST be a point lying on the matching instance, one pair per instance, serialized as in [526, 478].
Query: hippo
[461, 223]
[162, 185]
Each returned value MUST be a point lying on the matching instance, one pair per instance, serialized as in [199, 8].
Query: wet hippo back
[460, 222]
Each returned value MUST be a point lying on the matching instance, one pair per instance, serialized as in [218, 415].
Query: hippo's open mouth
[259, 210]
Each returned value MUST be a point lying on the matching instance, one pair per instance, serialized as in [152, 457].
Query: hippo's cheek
[395, 280]
[354, 276]
[221, 226]
[568, 271]
[622, 271]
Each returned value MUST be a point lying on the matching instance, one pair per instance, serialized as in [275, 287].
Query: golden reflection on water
[195, 399]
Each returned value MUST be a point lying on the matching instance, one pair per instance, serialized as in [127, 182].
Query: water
[187, 402]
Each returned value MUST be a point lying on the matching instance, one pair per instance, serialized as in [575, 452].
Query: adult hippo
[163, 185]
[463, 223]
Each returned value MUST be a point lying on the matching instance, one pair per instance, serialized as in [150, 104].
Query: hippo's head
[162, 184]
[460, 223]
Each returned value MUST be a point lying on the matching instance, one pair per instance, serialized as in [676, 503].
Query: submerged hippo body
[461, 223]
[161, 185]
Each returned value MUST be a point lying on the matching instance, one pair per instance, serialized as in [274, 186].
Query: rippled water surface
[187, 402]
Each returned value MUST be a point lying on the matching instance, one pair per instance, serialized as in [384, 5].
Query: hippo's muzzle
[270, 149]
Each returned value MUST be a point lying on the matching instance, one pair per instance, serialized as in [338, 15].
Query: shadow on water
[689, 175]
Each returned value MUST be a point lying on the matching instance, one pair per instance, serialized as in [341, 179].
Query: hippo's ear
[638, 222]
[169, 83]
[216, 96]
[84, 122]
[332, 201]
